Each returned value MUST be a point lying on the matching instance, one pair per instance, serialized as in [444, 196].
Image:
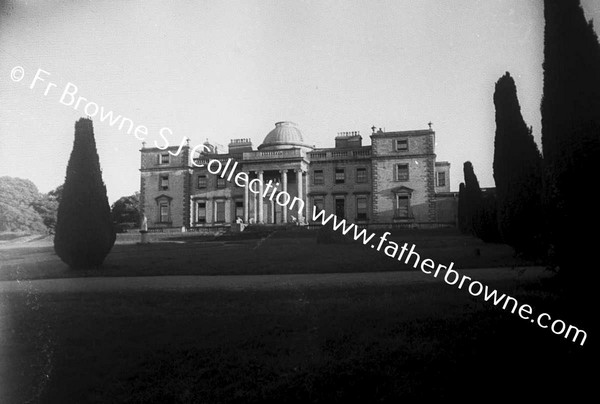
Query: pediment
[163, 196]
[402, 190]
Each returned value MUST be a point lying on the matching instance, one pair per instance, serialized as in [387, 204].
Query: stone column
[246, 203]
[261, 220]
[272, 211]
[214, 211]
[300, 194]
[254, 212]
[284, 209]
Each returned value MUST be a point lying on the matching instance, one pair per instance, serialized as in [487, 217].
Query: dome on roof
[285, 135]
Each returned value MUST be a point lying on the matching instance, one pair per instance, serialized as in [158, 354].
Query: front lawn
[281, 252]
[296, 345]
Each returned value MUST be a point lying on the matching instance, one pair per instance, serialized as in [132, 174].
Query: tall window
[164, 182]
[340, 176]
[201, 216]
[164, 212]
[239, 209]
[361, 175]
[221, 183]
[220, 211]
[402, 206]
[361, 207]
[319, 203]
[318, 178]
[402, 144]
[402, 172]
[202, 181]
[340, 207]
[163, 158]
[441, 179]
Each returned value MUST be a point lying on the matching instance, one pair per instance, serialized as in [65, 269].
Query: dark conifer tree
[462, 209]
[570, 133]
[480, 210]
[517, 173]
[84, 229]
[485, 219]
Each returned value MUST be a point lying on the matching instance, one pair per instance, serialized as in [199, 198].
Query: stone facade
[396, 179]
[403, 164]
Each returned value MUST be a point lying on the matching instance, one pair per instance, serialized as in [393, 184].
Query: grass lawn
[293, 344]
[317, 345]
[292, 251]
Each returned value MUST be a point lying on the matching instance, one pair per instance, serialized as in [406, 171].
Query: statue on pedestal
[144, 230]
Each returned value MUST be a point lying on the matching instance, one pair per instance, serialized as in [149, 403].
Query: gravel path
[258, 282]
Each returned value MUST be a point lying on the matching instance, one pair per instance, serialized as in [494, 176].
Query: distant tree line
[23, 209]
[126, 213]
[541, 205]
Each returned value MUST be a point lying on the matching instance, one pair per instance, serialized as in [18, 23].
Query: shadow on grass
[475, 358]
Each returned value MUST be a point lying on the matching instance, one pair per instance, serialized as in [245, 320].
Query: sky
[221, 70]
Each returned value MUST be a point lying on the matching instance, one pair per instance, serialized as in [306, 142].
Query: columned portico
[273, 207]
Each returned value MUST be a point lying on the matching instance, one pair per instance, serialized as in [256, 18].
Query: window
[221, 183]
[318, 178]
[402, 144]
[340, 176]
[164, 212]
[220, 205]
[402, 206]
[163, 158]
[361, 208]
[402, 172]
[202, 181]
[239, 209]
[340, 207]
[201, 215]
[441, 179]
[164, 183]
[361, 175]
[319, 203]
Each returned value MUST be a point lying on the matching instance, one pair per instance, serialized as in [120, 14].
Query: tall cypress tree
[517, 173]
[570, 131]
[84, 230]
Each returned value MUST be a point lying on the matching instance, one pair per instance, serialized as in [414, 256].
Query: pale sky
[223, 70]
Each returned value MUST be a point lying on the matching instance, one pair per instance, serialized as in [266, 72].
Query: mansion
[395, 180]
